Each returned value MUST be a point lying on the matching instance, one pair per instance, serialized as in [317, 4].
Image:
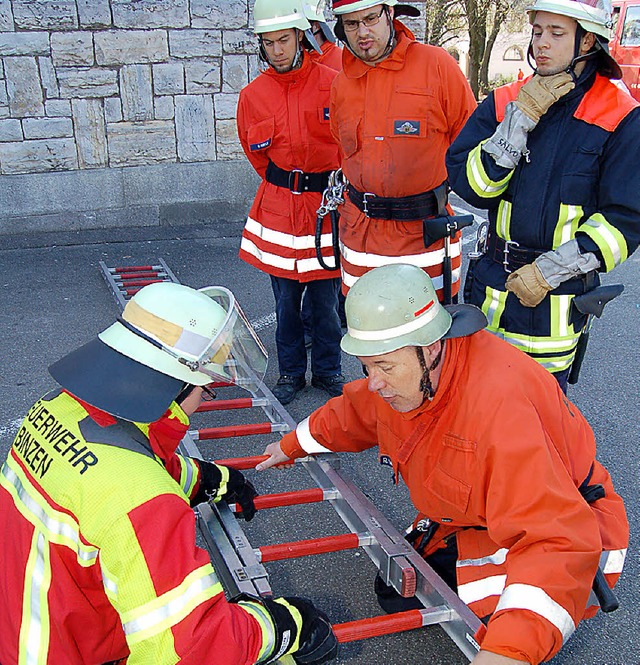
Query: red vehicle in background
[625, 45]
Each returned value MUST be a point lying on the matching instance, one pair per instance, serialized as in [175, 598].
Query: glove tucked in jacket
[224, 483]
[532, 282]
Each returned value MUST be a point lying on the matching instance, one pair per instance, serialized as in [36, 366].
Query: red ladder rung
[134, 268]
[223, 404]
[362, 629]
[136, 275]
[347, 541]
[234, 430]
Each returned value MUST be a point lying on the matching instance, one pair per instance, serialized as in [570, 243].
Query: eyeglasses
[351, 25]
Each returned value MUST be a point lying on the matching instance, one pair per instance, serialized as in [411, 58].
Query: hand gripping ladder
[239, 565]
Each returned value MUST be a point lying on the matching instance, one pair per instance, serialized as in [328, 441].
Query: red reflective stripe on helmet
[424, 309]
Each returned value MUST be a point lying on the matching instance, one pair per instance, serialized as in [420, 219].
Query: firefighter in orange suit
[331, 53]
[283, 126]
[99, 562]
[514, 511]
[395, 108]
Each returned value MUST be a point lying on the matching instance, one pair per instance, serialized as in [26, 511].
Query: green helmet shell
[273, 15]
[391, 307]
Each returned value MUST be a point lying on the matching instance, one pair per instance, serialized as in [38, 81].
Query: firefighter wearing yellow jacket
[101, 566]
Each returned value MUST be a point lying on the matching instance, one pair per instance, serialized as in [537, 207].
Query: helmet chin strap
[426, 387]
[297, 61]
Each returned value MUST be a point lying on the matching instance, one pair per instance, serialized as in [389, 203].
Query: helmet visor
[236, 353]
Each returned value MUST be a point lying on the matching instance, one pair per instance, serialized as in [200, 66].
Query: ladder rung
[237, 430]
[347, 541]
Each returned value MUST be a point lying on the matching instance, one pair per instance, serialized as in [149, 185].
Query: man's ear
[588, 40]
[432, 351]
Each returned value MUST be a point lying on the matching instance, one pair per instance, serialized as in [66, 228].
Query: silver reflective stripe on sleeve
[472, 592]
[497, 558]
[535, 599]
[306, 441]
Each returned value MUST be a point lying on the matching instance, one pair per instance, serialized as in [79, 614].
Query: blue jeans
[322, 296]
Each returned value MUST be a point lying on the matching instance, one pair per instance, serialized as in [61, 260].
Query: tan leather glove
[528, 285]
[536, 95]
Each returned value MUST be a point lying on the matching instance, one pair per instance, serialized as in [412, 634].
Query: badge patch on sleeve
[406, 127]
[325, 113]
[259, 146]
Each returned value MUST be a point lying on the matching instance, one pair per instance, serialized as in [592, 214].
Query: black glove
[317, 643]
[222, 482]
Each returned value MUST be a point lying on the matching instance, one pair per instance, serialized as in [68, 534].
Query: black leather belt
[297, 181]
[404, 208]
[510, 254]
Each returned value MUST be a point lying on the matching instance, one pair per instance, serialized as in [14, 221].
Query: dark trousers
[322, 296]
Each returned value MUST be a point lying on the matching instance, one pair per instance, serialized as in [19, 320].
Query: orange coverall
[499, 449]
[285, 118]
[418, 87]
[331, 55]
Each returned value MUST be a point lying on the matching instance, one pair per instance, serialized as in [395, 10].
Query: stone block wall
[88, 84]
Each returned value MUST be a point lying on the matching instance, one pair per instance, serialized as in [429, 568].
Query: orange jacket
[501, 448]
[331, 55]
[418, 88]
[284, 118]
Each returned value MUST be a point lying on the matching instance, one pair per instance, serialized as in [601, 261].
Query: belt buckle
[365, 208]
[505, 253]
[295, 181]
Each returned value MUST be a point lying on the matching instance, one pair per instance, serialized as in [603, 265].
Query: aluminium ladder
[239, 565]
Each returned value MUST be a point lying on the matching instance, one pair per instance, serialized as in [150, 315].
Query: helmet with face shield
[168, 335]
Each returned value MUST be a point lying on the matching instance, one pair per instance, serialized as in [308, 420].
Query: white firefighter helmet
[347, 6]
[593, 15]
[314, 11]
[168, 335]
[395, 306]
[274, 15]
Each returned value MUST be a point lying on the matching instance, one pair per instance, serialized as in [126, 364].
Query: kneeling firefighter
[102, 565]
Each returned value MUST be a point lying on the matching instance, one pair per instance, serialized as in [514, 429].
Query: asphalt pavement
[54, 299]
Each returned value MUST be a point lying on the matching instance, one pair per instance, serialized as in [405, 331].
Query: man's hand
[540, 92]
[528, 285]
[276, 457]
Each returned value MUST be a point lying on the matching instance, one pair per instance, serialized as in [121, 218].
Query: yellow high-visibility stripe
[165, 611]
[34, 629]
[262, 616]
[611, 243]
[188, 474]
[560, 307]
[58, 527]
[503, 220]
[567, 225]
[478, 179]
[493, 307]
